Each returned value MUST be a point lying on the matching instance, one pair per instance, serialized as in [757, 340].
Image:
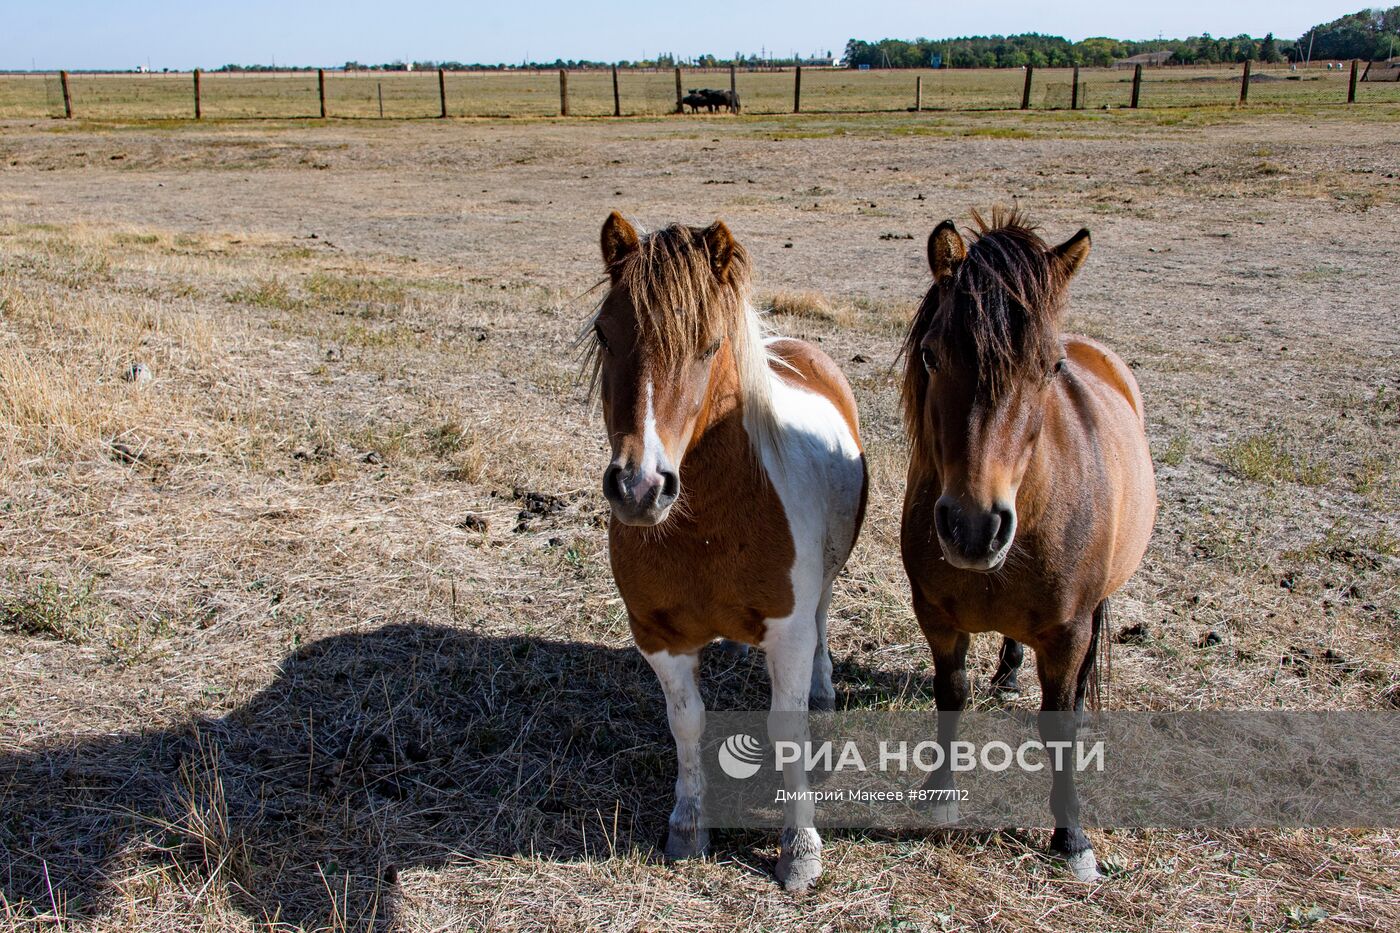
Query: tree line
[663, 61]
[1369, 34]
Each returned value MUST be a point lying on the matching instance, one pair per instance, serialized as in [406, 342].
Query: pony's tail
[1098, 664]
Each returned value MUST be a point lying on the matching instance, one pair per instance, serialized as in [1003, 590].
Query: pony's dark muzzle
[640, 496]
[973, 538]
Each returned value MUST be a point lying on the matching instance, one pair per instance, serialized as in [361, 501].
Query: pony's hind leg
[1005, 680]
[1060, 664]
[823, 693]
[685, 710]
[790, 646]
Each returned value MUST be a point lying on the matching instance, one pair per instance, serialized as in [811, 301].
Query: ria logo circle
[740, 756]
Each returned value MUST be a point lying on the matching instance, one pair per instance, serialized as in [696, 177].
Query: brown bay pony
[1030, 495]
[737, 486]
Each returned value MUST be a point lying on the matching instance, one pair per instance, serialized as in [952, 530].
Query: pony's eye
[598, 333]
[1058, 368]
[930, 361]
[710, 351]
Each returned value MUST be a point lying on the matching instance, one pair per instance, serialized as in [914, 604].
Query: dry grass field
[357, 95]
[305, 613]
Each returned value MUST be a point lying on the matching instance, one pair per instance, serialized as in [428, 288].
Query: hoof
[1083, 865]
[731, 650]
[799, 874]
[800, 864]
[821, 703]
[1005, 689]
[943, 813]
[684, 844]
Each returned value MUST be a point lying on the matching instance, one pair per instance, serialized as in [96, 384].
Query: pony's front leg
[790, 646]
[950, 693]
[685, 710]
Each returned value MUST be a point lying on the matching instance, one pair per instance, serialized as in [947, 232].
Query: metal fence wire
[592, 93]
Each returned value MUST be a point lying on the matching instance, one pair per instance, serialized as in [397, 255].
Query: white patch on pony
[819, 480]
[815, 466]
[653, 451]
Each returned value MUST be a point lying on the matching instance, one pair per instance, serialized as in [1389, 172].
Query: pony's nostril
[993, 529]
[670, 488]
[1003, 527]
[943, 518]
[613, 485]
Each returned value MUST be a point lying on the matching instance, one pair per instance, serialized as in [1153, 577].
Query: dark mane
[998, 317]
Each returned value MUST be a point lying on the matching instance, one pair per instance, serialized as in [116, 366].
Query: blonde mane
[685, 306]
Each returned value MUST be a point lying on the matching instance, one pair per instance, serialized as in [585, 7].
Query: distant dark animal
[729, 100]
[711, 99]
[1030, 496]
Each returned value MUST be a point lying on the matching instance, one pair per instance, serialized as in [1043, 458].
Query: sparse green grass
[271, 293]
[354, 290]
[1174, 454]
[448, 438]
[1324, 273]
[1267, 459]
[49, 609]
[999, 132]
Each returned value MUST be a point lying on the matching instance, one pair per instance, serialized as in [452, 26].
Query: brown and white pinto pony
[737, 486]
[1030, 495]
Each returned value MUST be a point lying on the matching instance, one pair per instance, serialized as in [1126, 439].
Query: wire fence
[410, 95]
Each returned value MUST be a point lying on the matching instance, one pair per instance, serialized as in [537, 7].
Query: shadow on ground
[406, 746]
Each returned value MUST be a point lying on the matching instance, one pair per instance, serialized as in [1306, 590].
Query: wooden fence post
[918, 93]
[198, 109]
[1074, 91]
[1351, 88]
[1026, 91]
[321, 89]
[1244, 83]
[680, 108]
[67, 100]
[797, 90]
[442, 94]
[379, 85]
[617, 97]
[733, 86]
[1137, 84]
[563, 93]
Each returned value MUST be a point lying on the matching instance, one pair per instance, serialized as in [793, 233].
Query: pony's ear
[1074, 251]
[945, 250]
[720, 243]
[619, 239]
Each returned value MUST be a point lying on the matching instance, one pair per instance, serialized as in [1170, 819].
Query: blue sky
[206, 33]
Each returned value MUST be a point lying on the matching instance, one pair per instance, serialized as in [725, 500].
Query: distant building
[818, 61]
[1146, 60]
